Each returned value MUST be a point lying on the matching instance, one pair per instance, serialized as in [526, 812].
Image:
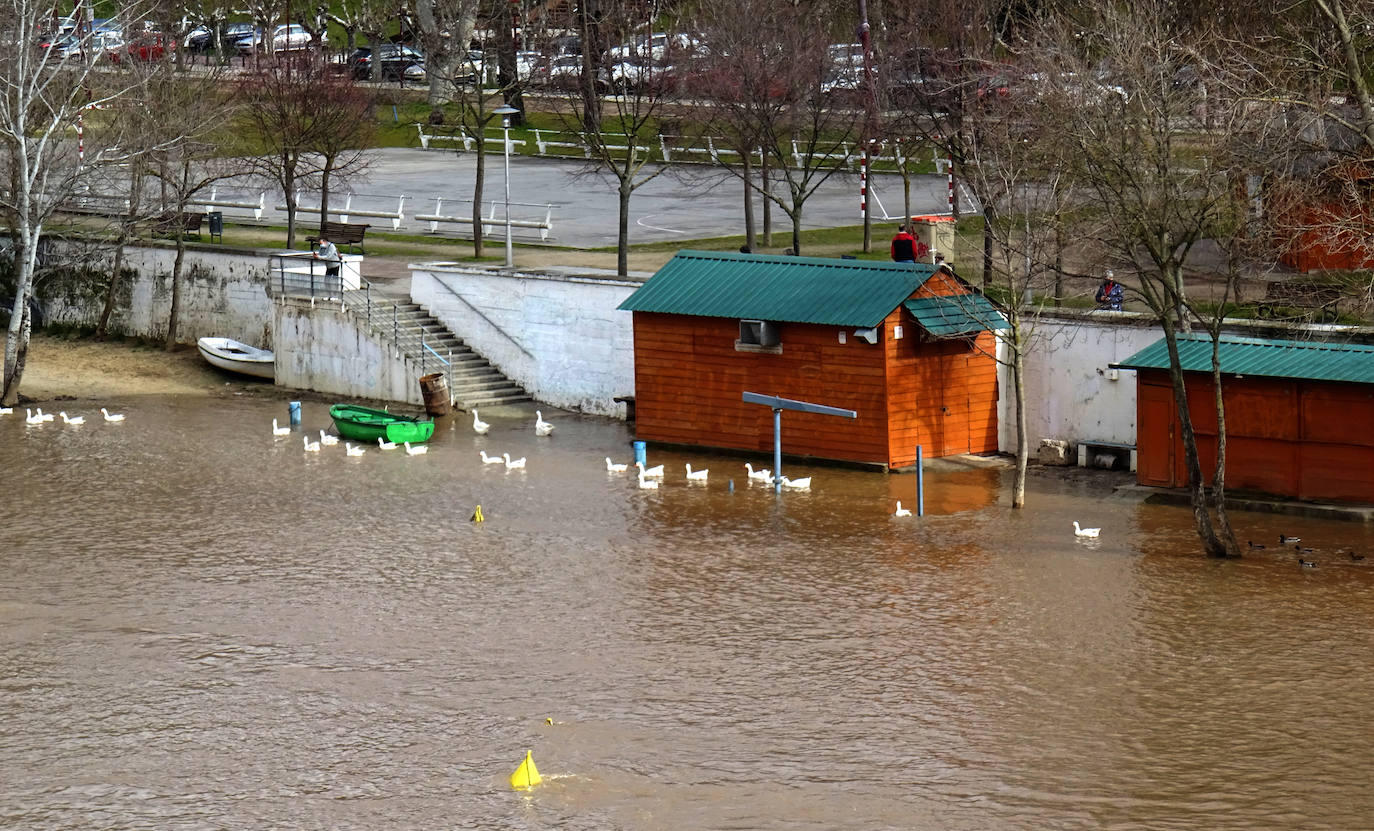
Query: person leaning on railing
[329, 254]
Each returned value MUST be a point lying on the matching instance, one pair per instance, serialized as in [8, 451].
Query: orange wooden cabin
[1298, 415]
[907, 346]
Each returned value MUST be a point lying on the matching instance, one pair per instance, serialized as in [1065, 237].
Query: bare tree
[641, 83]
[445, 29]
[776, 92]
[42, 96]
[1153, 186]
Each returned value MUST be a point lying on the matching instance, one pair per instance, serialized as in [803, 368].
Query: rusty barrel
[434, 389]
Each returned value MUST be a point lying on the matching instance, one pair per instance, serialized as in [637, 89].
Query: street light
[506, 113]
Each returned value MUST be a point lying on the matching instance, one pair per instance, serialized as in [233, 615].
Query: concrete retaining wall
[1070, 392]
[559, 336]
[224, 294]
[320, 347]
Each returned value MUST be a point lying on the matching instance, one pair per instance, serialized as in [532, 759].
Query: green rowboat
[363, 424]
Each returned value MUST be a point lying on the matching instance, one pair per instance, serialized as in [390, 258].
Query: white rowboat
[229, 354]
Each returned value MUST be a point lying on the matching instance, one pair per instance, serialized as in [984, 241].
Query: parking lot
[683, 202]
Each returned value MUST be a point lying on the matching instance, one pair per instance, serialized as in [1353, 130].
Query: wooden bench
[342, 233]
[178, 224]
[1302, 297]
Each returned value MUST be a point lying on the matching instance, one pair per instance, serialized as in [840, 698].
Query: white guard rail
[216, 202]
[544, 226]
[396, 216]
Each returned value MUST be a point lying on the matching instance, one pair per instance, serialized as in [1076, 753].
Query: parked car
[387, 62]
[97, 44]
[144, 47]
[202, 38]
[566, 73]
[287, 37]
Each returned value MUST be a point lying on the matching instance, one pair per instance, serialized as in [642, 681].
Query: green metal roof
[1264, 358]
[784, 289]
[950, 317]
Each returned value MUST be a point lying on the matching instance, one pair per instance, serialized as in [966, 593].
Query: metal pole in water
[920, 483]
[777, 450]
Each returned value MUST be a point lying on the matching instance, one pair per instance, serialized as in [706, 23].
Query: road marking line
[640, 222]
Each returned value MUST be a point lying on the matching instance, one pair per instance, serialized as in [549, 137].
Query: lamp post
[506, 113]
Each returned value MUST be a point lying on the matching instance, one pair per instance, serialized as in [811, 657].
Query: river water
[207, 627]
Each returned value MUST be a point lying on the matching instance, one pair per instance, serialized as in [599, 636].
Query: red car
[145, 46]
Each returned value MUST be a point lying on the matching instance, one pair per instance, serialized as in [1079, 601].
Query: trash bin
[216, 226]
[434, 389]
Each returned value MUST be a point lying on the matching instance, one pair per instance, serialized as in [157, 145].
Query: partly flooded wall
[320, 347]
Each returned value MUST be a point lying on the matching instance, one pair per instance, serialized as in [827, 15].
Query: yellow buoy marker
[527, 775]
[477, 515]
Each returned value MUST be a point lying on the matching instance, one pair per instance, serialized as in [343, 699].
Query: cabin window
[758, 336]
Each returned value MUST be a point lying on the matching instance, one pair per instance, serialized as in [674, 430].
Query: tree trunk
[17, 339]
[622, 256]
[767, 202]
[1058, 265]
[989, 216]
[328, 169]
[796, 216]
[102, 329]
[1227, 534]
[478, 186]
[289, 180]
[1018, 380]
[175, 311]
[1202, 519]
[748, 202]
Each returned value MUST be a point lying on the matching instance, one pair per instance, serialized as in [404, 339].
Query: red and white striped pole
[863, 182]
[949, 188]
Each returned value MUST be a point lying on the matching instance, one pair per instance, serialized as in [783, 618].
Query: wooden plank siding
[908, 390]
[1304, 439]
[689, 378]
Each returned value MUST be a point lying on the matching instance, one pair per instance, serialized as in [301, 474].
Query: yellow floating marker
[548, 721]
[477, 515]
[527, 775]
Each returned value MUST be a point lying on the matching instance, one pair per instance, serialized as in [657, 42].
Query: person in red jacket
[904, 246]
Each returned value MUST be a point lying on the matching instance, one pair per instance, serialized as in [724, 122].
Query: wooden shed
[910, 348]
[1298, 416]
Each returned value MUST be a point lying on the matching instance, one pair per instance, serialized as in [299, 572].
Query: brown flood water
[206, 627]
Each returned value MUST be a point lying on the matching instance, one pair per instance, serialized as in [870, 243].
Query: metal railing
[298, 274]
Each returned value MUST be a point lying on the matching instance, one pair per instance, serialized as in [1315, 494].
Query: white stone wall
[320, 347]
[559, 336]
[224, 294]
[1071, 394]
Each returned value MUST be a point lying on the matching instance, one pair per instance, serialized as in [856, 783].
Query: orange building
[1297, 416]
[907, 346]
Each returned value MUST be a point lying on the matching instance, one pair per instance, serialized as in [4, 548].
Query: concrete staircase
[473, 382]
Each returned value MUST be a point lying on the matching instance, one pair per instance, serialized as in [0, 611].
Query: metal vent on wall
[758, 332]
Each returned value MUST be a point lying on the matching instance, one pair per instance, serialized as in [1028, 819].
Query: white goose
[900, 510]
[30, 418]
[417, 450]
[655, 472]
[802, 484]
[615, 468]
[491, 460]
[109, 416]
[76, 421]
[6, 411]
[479, 426]
[354, 451]
[647, 484]
[541, 427]
[328, 440]
[513, 464]
[280, 431]
[44, 417]
[384, 444]
[310, 446]
[696, 475]
[1085, 532]
[761, 475]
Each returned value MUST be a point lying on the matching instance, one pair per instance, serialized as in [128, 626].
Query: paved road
[684, 202]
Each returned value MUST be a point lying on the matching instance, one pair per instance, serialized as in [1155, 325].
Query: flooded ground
[207, 627]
